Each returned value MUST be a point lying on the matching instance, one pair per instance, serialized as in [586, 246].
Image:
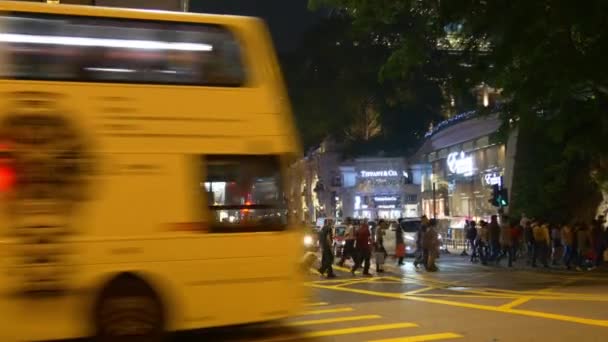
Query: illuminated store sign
[460, 164]
[381, 173]
[385, 199]
[386, 206]
[492, 179]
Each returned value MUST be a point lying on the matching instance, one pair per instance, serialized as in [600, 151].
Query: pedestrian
[471, 235]
[597, 241]
[516, 236]
[494, 230]
[567, 239]
[326, 241]
[541, 243]
[506, 241]
[399, 243]
[379, 251]
[420, 254]
[529, 241]
[556, 244]
[362, 248]
[583, 246]
[349, 242]
[467, 227]
[482, 242]
[430, 246]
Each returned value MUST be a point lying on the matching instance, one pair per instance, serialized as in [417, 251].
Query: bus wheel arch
[129, 307]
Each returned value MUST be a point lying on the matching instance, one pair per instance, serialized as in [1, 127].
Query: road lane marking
[357, 281]
[317, 304]
[424, 289]
[516, 302]
[324, 311]
[355, 330]
[343, 269]
[529, 313]
[422, 338]
[332, 320]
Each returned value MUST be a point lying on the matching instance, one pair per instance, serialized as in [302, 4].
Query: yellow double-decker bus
[143, 158]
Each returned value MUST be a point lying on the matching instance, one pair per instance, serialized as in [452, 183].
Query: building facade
[379, 188]
[463, 162]
[373, 188]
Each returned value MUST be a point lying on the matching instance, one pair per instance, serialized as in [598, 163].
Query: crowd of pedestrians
[579, 245]
[362, 243]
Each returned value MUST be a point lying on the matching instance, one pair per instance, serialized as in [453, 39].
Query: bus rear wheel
[128, 309]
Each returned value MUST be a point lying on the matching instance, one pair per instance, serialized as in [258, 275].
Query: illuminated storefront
[463, 162]
[379, 188]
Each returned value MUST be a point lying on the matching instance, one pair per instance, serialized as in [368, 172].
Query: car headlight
[343, 243]
[308, 241]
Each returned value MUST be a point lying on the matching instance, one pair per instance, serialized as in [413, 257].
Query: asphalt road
[461, 302]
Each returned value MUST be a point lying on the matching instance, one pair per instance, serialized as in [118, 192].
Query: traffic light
[500, 197]
[503, 197]
[495, 195]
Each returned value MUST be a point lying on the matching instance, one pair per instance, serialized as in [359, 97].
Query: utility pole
[434, 201]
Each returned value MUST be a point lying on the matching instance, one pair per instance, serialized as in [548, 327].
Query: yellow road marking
[333, 320]
[464, 296]
[548, 294]
[317, 304]
[529, 313]
[516, 302]
[355, 330]
[424, 289]
[325, 311]
[422, 338]
[357, 281]
[537, 314]
[343, 269]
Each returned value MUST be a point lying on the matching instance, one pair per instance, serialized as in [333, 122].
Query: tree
[335, 90]
[548, 57]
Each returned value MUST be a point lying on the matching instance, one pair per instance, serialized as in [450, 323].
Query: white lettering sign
[385, 199]
[381, 173]
[386, 206]
[460, 164]
[492, 179]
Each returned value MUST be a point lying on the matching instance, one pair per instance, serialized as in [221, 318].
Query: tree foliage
[548, 57]
[335, 90]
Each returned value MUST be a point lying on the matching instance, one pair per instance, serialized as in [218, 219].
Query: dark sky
[287, 19]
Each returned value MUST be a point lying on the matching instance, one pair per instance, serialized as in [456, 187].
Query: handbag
[400, 250]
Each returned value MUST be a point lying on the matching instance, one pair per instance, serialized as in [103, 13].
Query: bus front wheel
[128, 309]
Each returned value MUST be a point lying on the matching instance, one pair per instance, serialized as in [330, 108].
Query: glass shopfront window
[463, 182]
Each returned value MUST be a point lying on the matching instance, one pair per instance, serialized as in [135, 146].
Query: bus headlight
[308, 241]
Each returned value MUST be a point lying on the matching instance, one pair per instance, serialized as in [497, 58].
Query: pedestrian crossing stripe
[333, 320]
[325, 311]
[317, 304]
[355, 330]
[422, 338]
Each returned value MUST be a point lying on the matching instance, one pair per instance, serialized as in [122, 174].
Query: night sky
[287, 19]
